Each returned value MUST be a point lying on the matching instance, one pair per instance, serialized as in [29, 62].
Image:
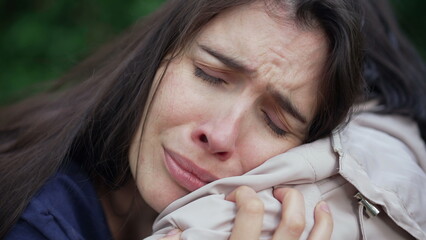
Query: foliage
[41, 39]
[413, 21]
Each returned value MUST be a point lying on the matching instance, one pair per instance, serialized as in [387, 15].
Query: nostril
[203, 138]
[223, 155]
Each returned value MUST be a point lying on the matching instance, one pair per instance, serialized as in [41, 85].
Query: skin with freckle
[203, 90]
[223, 116]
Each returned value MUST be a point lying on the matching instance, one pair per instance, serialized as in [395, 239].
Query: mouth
[185, 172]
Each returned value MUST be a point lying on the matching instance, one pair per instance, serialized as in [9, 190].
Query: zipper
[371, 210]
[365, 206]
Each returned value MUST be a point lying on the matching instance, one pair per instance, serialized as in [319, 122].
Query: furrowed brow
[285, 103]
[227, 60]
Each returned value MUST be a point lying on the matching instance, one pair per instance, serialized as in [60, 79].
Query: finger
[292, 221]
[249, 219]
[323, 226]
[173, 235]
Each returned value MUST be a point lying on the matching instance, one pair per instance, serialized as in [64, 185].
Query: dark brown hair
[92, 113]
[393, 69]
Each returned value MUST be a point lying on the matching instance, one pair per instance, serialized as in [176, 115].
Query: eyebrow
[227, 60]
[286, 104]
[283, 101]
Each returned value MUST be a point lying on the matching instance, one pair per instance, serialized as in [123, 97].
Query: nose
[219, 135]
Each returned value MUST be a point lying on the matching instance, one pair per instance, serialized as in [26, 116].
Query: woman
[214, 71]
[378, 159]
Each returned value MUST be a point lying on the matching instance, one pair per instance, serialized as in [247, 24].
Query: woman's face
[244, 91]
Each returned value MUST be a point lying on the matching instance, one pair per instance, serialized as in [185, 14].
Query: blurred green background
[41, 39]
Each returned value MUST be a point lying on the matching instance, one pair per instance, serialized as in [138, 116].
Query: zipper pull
[371, 210]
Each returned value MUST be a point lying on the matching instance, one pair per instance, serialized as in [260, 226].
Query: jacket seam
[385, 207]
[335, 188]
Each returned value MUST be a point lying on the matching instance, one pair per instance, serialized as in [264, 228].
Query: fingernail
[173, 232]
[324, 207]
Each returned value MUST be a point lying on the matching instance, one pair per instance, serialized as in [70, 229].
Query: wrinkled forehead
[254, 36]
[280, 12]
[268, 19]
[275, 53]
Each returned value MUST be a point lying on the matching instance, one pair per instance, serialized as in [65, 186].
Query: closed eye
[208, 78]
[275, 129]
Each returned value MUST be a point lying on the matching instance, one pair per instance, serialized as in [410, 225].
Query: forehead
[275, 50]
[254, 36]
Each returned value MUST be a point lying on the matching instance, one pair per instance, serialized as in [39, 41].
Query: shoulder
[66, 207]
[384, 158]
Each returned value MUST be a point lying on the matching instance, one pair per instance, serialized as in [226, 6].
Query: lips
[185, 172]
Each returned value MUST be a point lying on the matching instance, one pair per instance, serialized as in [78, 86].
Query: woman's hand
[249, 218]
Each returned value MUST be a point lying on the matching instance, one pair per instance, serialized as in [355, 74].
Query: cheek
[180, 100]
[177, 100]
[259, 146]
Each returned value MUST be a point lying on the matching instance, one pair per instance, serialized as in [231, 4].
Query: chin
[163, 197]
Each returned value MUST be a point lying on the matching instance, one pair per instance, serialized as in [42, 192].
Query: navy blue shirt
[66, 207]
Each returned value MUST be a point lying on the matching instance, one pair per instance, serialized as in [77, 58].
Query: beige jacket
[380, 159]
